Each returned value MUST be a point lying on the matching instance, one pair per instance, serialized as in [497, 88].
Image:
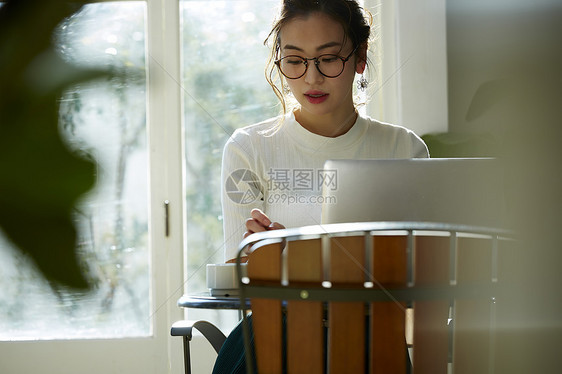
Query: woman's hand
[259, 222]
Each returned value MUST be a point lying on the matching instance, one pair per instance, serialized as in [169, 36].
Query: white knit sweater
[281, 172]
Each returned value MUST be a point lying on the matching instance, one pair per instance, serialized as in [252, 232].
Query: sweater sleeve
[242, 190]
[409, 145]
[419, 148]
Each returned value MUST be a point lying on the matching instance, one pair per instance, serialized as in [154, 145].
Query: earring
[362, 83]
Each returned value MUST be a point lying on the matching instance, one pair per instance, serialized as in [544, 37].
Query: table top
[204, 300]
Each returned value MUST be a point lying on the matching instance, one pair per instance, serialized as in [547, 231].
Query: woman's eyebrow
[328, 45]
[319, 48]
[290, 46]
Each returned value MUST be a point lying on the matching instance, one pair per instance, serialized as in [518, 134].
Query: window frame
[159, 352]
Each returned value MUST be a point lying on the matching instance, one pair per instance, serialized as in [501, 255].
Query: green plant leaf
[40, 178]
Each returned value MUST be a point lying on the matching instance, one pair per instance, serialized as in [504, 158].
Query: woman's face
[311, 37]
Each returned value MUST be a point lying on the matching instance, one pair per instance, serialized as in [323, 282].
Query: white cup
[222, 279]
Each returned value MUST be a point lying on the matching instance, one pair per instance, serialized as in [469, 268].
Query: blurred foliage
[40, 178]
[451, 144]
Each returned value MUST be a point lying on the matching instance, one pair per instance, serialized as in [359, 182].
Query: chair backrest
[334, 298]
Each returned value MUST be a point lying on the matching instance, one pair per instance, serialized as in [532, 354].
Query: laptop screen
[456, 190]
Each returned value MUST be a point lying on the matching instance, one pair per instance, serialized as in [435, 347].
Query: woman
[318, 48]
[272, 171]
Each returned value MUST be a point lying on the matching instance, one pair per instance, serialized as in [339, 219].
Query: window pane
[107, 121]
[223, 61]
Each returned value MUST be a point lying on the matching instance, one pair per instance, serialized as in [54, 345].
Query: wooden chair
[335, 298]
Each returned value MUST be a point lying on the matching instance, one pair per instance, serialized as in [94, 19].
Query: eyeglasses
[330, 66]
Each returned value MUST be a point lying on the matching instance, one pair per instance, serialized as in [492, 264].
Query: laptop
[447, 190]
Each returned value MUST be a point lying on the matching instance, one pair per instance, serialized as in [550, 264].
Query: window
[105, 120]
[223, 88]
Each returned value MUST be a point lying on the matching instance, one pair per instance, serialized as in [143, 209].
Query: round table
[205, 300]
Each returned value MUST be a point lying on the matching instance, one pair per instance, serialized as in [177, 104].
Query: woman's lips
[316, 97]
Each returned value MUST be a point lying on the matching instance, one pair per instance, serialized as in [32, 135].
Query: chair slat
[431, 339]
[388, 341]
[346, 321]
[346, 337]
[472, 317]
[304, 318]
[305, 348]
[347, 265]
[264, 264]
[388, 344]
[268, 333]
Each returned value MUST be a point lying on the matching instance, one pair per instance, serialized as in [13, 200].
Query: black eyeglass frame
[316, 63]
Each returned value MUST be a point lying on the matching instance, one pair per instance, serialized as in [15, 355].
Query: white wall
[411, 85]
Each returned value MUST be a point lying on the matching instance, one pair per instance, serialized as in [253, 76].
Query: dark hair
[355, 21]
